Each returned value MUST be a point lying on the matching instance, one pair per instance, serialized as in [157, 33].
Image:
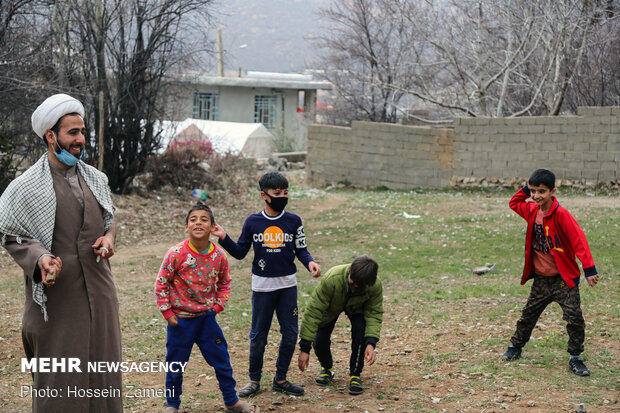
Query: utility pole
[220, 58]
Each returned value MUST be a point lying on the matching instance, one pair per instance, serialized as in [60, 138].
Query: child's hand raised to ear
[218, 231]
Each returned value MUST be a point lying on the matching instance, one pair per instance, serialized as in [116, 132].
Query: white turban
[52, 109]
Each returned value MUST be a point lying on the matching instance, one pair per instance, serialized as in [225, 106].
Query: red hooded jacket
[564, 236]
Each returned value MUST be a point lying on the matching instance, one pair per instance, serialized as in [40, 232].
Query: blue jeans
[205, 332]
[284, 303]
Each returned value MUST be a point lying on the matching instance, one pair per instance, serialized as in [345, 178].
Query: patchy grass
[444, 327]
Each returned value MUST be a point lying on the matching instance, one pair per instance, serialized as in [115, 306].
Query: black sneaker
[355, 385]
[512, 353]
[288, 388]
[249, 390]
[325, 377]
[576, 365]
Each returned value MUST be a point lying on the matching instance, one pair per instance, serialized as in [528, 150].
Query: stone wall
[582, 150]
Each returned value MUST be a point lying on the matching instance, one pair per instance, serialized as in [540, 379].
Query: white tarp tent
[250, 139]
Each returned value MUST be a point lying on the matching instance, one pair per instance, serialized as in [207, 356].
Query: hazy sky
[269, 35]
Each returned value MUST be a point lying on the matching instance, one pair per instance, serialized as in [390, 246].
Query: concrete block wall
[379, 154]
[583, 148]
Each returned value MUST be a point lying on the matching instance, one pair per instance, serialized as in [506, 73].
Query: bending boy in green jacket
[356, 290]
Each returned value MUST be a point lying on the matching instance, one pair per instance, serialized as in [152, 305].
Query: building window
[265, 110]
[206, 106]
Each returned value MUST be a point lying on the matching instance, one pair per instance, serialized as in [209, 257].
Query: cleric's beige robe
[82, 306]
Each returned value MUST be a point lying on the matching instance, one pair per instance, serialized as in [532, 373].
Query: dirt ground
[435, 357]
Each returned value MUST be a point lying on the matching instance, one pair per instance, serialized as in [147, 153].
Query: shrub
[282, 142]
[233, 173]
[194, 165]
[180, 166]
[200, 149]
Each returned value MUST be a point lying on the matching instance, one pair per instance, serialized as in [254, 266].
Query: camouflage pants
[546, 290]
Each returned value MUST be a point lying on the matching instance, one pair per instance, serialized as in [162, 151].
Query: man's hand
[218, 231]
[50, 267]
[173, 321]
[592, 280]
[303, 361]
[104, 247]
[315, 269]
[370, 355]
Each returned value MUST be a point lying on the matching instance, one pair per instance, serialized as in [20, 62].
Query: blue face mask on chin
[65, 156]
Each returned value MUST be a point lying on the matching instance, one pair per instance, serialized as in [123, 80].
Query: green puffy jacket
[333, 296]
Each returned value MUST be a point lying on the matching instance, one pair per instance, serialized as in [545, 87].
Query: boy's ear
[264, 196]
[553, 191]
[186, 229]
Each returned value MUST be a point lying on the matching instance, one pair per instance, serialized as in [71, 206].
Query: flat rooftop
[259, 80]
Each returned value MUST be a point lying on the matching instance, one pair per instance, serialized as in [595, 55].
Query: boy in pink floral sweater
[192, 286]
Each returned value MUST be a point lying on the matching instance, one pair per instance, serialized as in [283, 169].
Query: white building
[284, 103]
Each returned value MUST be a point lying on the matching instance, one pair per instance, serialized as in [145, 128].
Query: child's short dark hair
[364, 271]
[199, 206]
[272, 180]
[542, 177]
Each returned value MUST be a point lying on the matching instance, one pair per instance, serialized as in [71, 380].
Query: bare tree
[364, 55]
[505, 58]
[21, 71]
[127, 50]
[475, 57]
[124, 50]
[597, 79]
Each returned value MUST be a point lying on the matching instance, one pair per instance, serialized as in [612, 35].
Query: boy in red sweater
[552, 241]
[192, 286]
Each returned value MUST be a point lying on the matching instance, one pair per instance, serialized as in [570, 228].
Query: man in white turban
[52, 109]
[57, 222]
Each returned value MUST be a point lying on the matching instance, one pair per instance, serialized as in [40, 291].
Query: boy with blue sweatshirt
[277, 237]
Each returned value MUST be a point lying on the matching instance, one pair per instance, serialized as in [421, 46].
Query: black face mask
[277, 203]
